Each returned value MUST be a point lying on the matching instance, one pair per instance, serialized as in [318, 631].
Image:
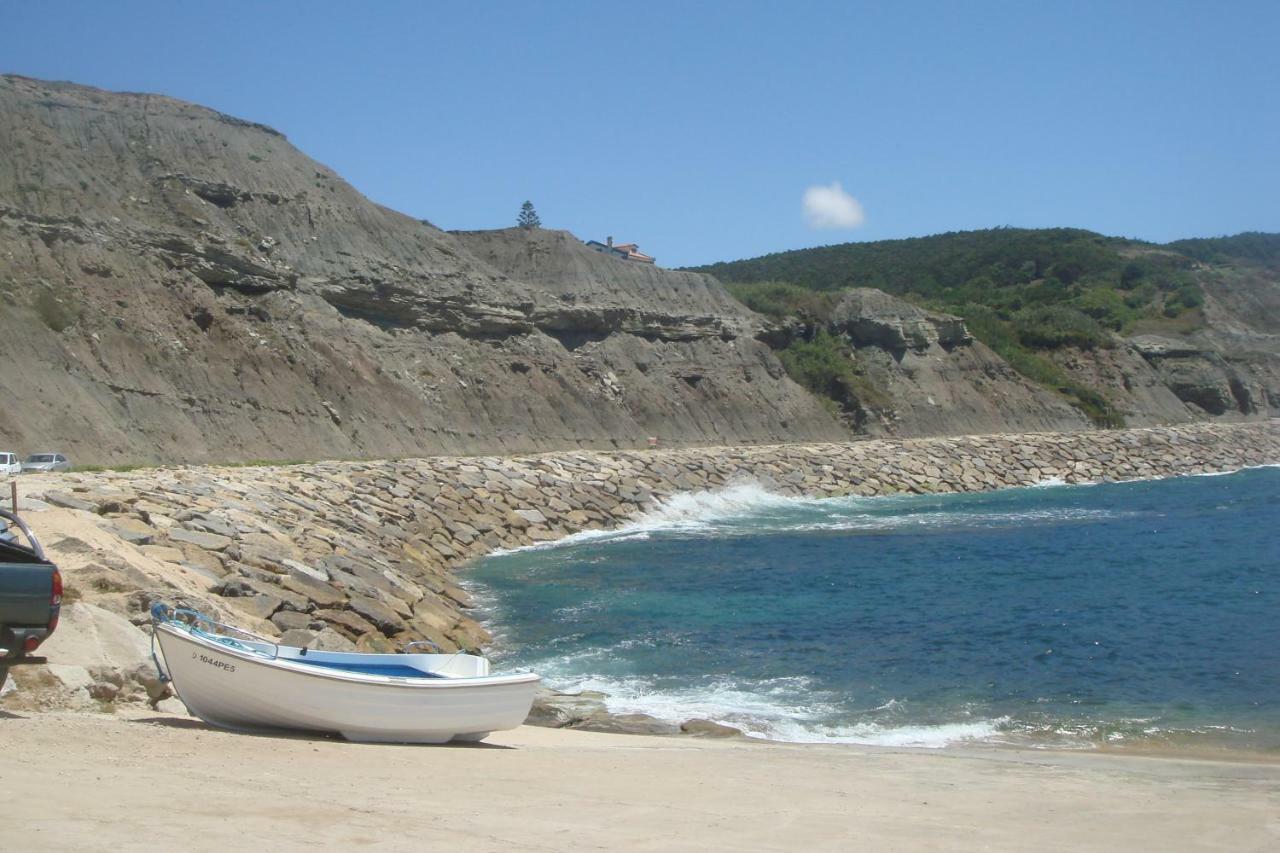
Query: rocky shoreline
[363, 555]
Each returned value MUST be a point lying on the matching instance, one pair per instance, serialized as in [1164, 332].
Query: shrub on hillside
[826, 367]
[53, 312]
[779, 299]
[818, 364]
[1001, 335]
[1105, 305]
[1053, 326]
[1187, 296]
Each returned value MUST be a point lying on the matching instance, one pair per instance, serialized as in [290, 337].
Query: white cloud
[832, 207]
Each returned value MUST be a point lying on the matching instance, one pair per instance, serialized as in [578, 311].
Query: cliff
[1223, 364]
[1126, 332]
[931, 377]
[182, 285]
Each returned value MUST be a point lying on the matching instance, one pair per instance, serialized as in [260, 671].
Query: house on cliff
[626, 251]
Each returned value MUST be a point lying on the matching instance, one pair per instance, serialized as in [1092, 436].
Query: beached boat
[236, 680]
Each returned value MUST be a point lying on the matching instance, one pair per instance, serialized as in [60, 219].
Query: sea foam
[748, 508]
[684, 511]
[780, 710]
[999, 617]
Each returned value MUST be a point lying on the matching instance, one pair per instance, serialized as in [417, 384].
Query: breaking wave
[750, 509]
[790, 710]
[1003, 617]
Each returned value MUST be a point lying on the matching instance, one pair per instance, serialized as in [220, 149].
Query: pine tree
[528, 216]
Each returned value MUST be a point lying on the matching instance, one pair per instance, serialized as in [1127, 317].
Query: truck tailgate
[24, 593]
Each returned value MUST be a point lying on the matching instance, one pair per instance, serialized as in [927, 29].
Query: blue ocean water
[1140, 613]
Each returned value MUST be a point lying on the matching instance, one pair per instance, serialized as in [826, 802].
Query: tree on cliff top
[528, 217]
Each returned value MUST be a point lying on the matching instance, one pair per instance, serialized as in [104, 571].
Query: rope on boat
[159, 613]
[191, 620]
[163, 613]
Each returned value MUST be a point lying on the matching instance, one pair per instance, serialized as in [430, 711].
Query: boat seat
[395, 669]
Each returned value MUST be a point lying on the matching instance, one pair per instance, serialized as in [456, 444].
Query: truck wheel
[10, 642]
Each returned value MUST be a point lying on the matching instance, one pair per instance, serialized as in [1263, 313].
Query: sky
[709, 131]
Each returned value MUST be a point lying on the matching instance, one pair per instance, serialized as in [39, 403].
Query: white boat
[236, 680]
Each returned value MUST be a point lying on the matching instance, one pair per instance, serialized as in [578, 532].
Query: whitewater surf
[1058, 615]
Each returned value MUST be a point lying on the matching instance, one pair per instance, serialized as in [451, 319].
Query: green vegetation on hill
[1006, 339]
[1023, 292]
[827, 366]
[779, 299]
[1252, 246]
[1016, 272]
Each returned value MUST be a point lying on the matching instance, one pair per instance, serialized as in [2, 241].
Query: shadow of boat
[193, 724]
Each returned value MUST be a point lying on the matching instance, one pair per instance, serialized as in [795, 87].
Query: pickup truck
[30, 591]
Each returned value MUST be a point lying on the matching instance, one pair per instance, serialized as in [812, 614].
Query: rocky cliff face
[177, 284]
[590, 293]
[933, 377]
[1226, 368]
[181, 285]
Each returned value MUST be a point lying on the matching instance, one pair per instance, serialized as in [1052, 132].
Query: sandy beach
[144, 781]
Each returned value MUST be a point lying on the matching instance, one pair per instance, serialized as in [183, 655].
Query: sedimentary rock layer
[178, 285]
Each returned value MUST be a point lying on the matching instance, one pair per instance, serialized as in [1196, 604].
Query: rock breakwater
[349, 555]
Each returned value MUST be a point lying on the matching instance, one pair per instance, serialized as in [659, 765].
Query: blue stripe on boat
[396, 669]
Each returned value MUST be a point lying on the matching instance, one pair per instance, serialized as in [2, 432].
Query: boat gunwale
[347, 676]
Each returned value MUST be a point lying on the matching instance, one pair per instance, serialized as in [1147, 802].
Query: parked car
[10, 464]
[46, 462]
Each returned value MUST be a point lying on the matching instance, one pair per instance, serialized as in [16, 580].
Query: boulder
[532, 516]
[209, 562]
[88, 635]
[164, 553]
[207, 541]
[382, 616]
[329, 640]
[289, 620]
[556, 710]
[707, 728]
[323, 594]
[209, 524]
[631, 724]
[305, 570]
[69, 502]
[95, 656]
[348, 623]
[375, 643]
[132, 530]
[299, 637]
[258, 606]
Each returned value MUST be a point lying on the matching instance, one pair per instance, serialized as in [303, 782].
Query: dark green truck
[30, 590]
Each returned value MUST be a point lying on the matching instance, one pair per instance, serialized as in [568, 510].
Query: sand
[156, 782]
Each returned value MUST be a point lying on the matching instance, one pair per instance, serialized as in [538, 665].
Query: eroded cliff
[181, 285]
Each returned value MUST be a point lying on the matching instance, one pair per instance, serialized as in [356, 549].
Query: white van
[10, 464]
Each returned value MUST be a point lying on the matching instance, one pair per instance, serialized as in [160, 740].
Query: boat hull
[241, 690]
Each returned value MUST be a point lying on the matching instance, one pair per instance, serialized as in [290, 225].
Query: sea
[1131, 615]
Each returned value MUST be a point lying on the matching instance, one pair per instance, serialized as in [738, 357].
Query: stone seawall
[362, 554]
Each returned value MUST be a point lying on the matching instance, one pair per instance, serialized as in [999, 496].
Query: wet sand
[154, 781]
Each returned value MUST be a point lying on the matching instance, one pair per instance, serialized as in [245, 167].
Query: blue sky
[695, 129]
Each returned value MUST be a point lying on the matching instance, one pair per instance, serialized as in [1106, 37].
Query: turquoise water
[1142, 613]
